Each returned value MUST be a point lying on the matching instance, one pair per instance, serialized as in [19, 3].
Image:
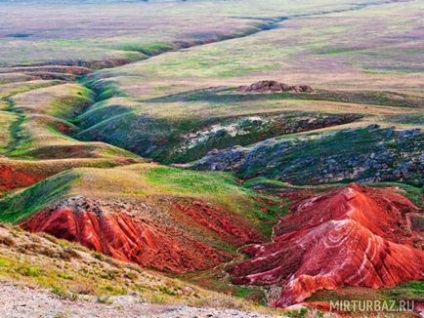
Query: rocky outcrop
[356, 236]
[127, 231]
[370, 154]
[248, 129]
[274, 86]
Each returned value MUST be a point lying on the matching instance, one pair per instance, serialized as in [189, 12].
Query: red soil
[12, 178]
[157, 244]
[356, 236]
[227, 226]
[15, 175]
[128, 239]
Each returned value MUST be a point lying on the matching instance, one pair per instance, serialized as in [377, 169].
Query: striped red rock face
[128, 239]
[356, 236]
[177, 239]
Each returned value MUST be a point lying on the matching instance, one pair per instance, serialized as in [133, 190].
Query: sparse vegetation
[300, 313]
[71, 278]
[104, 300]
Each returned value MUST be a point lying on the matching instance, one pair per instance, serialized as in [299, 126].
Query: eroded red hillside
[12, 178]
[230, 228]
[356, 236]
[137, 232]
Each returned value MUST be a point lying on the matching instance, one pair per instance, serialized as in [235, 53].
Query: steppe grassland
[94, 32]
[326, 51]
[135, 181]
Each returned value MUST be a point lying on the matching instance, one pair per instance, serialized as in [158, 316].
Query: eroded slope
[356, 236]
[157, 217]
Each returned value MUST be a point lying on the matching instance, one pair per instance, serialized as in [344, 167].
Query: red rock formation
[357, 236]
[127, 239]
[21, 174]
[12, 178]
[229, 227]
[129, 235]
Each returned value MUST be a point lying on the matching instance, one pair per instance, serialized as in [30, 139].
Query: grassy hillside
[37, 117]
[184, 127]
[176, 107]
[72, 272]
[143, 182]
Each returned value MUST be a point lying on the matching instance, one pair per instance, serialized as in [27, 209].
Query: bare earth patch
[17, 301]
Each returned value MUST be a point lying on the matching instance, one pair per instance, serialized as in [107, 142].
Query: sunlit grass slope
[141, 181]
